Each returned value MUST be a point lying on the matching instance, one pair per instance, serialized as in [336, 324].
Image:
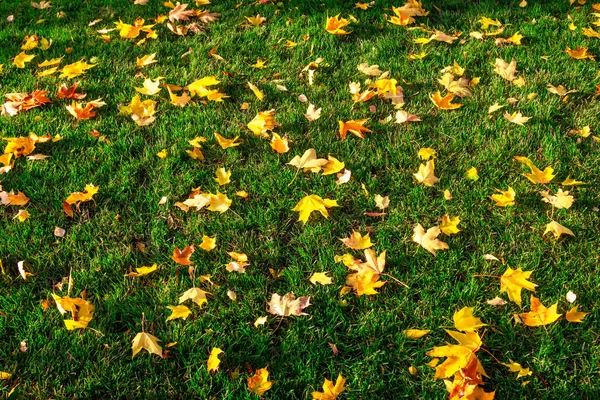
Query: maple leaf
[334, 25]
[146, 60]
[506, 198]
[182, 257]
[575, 316]
[449, 225]
[279, 144]
[82, 315]
[150, 87]
[311, 203]
[178, 312]
[536, 175]
[382, 202]
[458, 355]
[486, 22]
[404, 117]
[208, 243]
[560, 200]
[308, 161]
[199, 87]
[516, 367]
[572, 182]
[580, 53]
[256, 21]
[506, 70]
[516, 118]
[512, 281]
[365, 282]
[330, 390]
[288, 305]
[320, 277]
[141, 271]
[194, 294]
[146, 341]
[263, 121]
[372, 70]
[539, 315]
[465, 321]
[81, 112]
[257, 92]
[22, 58]
[227, 143]
[72, 70]
[312, 113]
[472, 174]
[428, 240]
[259, 382]
[10, 198]
[560, 90]
[425, 174]
[357, 241]
[212, 364]
[65, 92]
[459, 87]
[22, 215]
[218, 202]
[557, 229]
[180, 101]
[444, 103]
[384, 86]
[415, 333]
[222, 176]
[355, 127]
[179, 13]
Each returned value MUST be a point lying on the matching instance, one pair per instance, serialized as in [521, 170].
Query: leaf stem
[397, 280]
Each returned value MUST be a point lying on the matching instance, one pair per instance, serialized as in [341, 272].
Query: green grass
[102, 240]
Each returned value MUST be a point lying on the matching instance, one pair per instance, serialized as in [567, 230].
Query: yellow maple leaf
[465, 321]
[311, 203]
[81, 197]
[178, 312]
[512, 281]
[425, 153]
[357, 241]
[428, 240]
[146, 341]
[257, 92]
[258, 20]
[335, 25]
[77, 68]
[141, 271]
[444, 103]
[227, 143]
[22, 58]
[506, 198]
[263, 121]
[557, 229]
[506, 70]
[279, 144]
[259, 383]
[355, 127]
[425, 174]
[212, 364]
[208, 243]
[320, 277]
[222, 176]
[575, 316]
[146, 60]
[194, 294]
[199, 87]
[308, 161]
[539, 315]
[516, 118]
[364, 282]
[472, 174]
[516, 367]
[559, 200]
[288, 305]
[580, 53]
[330, 390]
[415, 333]
[449, 225]
[150, 87]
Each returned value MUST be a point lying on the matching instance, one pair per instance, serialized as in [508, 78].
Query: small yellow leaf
[575, 316]
[146, 341]
[180, 311]
[415, 333]
[449, 225]
[222, 176]
[472, 174]
[213, 360]
[208, 243]
[257, 92]
[465, 321]
[259, 383]
[425, 153]
[320, 277]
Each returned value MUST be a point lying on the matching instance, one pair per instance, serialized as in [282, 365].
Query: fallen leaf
[146, 341]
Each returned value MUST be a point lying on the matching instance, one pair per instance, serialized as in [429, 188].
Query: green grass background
[373, 354]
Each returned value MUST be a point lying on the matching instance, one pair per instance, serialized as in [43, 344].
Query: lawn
[133, 220]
